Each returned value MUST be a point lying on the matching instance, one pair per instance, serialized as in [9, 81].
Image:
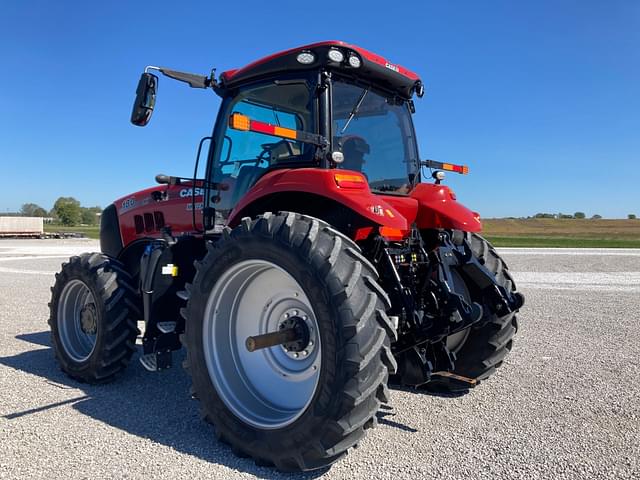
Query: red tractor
[308, 268]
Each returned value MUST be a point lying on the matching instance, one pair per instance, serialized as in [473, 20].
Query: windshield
[375, 135]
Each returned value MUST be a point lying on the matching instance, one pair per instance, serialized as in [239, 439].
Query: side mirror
[145, 99]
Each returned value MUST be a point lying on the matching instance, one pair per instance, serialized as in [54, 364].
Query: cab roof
[371, 67]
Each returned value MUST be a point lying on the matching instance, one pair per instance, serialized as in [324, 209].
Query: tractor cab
[328, 105]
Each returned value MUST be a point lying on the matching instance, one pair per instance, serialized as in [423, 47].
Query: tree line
[66, 211]
[630, 216]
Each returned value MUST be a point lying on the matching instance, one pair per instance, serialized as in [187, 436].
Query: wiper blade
[355, 109]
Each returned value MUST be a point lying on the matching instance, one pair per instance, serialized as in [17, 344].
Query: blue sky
[541, 99]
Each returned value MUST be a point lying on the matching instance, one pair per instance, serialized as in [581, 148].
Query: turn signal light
[237, 121]
[350, 180]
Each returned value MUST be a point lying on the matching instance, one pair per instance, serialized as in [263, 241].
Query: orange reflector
[347, 180]
[237, 121]
[392, 234]
[362, 233]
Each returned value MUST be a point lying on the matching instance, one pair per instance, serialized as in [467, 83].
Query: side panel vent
[139, 224]
[159, 218]
[149, 224]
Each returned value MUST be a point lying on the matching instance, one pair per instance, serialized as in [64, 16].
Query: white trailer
[21, 227]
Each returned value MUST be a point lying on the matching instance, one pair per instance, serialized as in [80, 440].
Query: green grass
[503, 232]
[569, 232]
[88, 231]
[561, 242]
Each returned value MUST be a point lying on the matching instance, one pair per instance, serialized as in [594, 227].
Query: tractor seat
[247, 176]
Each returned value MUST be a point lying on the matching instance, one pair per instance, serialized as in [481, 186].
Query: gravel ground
[566, 403]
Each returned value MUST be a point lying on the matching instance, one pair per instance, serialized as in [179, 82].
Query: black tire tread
[487, 346]
[351, 282]
[115, 296]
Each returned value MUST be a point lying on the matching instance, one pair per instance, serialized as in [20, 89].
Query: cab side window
[244, 156]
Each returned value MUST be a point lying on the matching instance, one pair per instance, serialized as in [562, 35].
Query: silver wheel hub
[271, 387]
[88, 321]
[77, 319]
[299, 349]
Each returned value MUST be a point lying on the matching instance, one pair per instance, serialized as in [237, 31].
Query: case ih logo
[393, 67]
[186, 192]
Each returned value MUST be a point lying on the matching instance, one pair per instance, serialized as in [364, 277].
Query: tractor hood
[145, 213]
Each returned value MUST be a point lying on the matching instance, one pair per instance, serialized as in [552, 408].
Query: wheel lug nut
[305, 353]
[295, 312]
[295, 355]
[286, 315]
[311, 343]
[304, 317]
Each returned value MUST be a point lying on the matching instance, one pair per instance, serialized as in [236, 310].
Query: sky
[541, 99]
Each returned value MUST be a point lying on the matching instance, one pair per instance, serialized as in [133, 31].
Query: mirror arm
[194, 80]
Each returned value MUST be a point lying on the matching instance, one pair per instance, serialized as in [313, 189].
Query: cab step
[166, 327]
[156, 361]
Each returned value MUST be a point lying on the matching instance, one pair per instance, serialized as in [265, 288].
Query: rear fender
[110, 238]
[322, 183]
[438, 208]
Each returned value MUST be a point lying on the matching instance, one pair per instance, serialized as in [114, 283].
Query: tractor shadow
[387, 411]
[155, 406]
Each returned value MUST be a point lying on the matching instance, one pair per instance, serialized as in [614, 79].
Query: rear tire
[93, 314]
[314, 269]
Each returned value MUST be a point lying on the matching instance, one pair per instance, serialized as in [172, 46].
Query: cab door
[240, 157]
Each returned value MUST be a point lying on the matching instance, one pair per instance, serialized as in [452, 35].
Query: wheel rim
[456, 341]
[77, 320]
[272, 387]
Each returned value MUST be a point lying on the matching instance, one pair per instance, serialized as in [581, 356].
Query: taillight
[392, 234]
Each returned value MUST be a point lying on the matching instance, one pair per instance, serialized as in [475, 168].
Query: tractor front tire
[93, 314]
[299, 405]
